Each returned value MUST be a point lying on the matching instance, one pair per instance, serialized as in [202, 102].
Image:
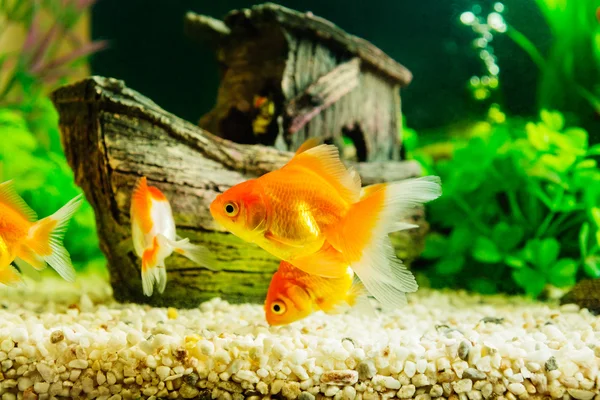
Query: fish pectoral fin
[268, 235]
[198, 254]
[28, 270]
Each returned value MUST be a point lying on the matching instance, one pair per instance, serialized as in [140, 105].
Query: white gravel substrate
[73, 341]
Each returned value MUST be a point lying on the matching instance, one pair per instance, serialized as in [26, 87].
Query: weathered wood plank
[112, 135]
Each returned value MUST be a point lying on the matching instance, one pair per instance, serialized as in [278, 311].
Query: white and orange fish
[31, 243]
[154, 236]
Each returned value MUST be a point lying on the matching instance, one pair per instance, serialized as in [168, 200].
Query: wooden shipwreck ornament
[287, 76]
[112, 135]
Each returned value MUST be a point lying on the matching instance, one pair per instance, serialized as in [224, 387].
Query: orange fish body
[29, 242]
[293, 294]
[313, 214]
[154, 236]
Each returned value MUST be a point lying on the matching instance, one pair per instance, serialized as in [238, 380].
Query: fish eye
[231, 209]
[278, 307]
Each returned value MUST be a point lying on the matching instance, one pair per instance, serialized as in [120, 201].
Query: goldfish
[154, 236]
[293, 294]
[31, 243]
[314, 214]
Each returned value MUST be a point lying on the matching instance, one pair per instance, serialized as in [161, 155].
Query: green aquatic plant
[520, 209]
[570, 71]
[31, 153]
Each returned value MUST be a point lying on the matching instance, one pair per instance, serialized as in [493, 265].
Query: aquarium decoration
[321, 81]
[519, 215]
[124, 136]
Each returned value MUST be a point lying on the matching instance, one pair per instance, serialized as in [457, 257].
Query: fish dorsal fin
[308, 144]
[324, 160]
[10, 198]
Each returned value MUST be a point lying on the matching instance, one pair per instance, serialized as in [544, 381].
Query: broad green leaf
[547, 253]
[486, 251]
[559, 163]
[594, 150]
[591, 266]
[450, 265]
[538, 136]
[514, 261]
[461, 239]
[595, 211]
[578, 138]
[598, 237]
[584, 234]
[507, 237]
[436, 245]
[586, 164]
[531, 281]
[563, 273]
[553, 119]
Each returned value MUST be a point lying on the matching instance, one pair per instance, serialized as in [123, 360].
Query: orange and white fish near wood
[314, 214]
[29, 243]
[154, 236]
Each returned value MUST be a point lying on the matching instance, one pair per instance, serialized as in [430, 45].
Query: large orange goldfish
[154, 236]
[29, 243]
[310, 213]
[293, 295]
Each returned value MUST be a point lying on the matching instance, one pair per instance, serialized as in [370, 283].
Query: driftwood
[320, 81]
[112, 135]
[586, 294]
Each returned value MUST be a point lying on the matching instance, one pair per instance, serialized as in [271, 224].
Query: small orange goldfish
[293, 294]
[154, 236]
[310, 213]
[29, 243]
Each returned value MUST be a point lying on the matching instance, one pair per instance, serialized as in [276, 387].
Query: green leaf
[594, 150]
[542, 253]
[595, 211]
[584, 234]
[461, 239]
[591, 266]
[514, 261]
[531, 281]
[507, 237]
[553, 119]
[436, 245]
[450, 265]
[564, 272]
[586, 164]
[538, 136]
[486, 251]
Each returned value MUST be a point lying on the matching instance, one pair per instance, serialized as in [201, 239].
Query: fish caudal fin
[45, 241]
[198, 254]
[363, 237]
[153, 269]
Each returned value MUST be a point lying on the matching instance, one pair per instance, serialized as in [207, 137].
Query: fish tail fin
[358, 299]
[198, 254]
[28, 270]
[153, 269]
[363, 237]
[45, 242]
[10, 276]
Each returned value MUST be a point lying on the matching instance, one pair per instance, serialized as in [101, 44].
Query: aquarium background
[506, 111]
